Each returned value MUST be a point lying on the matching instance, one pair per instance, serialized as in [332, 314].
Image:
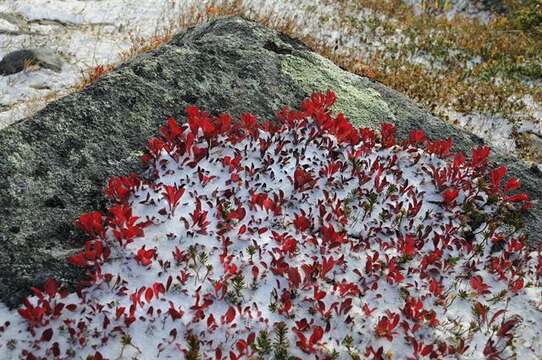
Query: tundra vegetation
[301, 237]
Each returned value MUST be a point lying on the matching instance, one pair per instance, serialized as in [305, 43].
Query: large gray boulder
[54, 165]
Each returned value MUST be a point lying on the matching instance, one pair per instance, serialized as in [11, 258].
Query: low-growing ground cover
[301, 237]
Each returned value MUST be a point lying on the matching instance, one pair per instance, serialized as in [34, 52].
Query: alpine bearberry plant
[304, 238]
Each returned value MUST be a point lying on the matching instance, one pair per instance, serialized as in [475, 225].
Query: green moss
[523, 70]
[365, 106]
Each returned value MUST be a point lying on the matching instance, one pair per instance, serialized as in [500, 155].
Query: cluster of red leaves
[322, 276]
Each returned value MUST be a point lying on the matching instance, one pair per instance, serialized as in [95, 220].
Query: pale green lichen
[364, 105]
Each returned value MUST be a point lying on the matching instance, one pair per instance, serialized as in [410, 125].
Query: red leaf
[175, 314]
[517, 285]
[426, 350]
[169, 281]
[47, 335]
[301, 222]
[479, 156]
[91, 223]
[496, 177]
[172, 194]
[408, 245]
[512, 184]
[230, 315]
[477, 283]
[289, 245]
[517, 197]
[211, 323]
[144, 257]
[149, 293]
[294, 277]
[97, 356]
[158, 288]
[302, 178]
[255, 272]
[78, 260]
[387, 131]
[241, 345]
[119, 312]
[302, 341]
[50, 288]
[120, 188]
[268, 204]
[450, 195]
[327, 265]
[317, 334]
[506, 327]
[172, 130]
[496, 315]
[238, 214]
[58, 309]
[416, 136]
[319, 294]
[440, 148]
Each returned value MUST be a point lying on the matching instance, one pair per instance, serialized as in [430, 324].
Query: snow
[326, 240]
[534, 110]
[85, 33]
[496, 131]
[88, 33]
[453, 8]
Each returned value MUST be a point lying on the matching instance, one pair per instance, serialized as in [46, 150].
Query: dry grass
[36, 103]
[140, 45]
[29, 66]
[89, 77]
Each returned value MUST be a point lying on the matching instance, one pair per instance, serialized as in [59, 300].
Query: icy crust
[309, 239]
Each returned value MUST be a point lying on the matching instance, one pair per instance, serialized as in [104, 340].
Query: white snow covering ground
[452, 8]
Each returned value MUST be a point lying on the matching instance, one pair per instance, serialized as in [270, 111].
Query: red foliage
[92, 224]
[450, 195]
[172, 194]
[386, 325]
[477, 283]
[303, 179]
[388, 134]
[479, 156]
[144, 256]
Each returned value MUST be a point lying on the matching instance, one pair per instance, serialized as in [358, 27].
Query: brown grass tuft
[88, 78]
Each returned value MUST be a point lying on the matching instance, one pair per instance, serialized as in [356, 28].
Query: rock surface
[16, 61]
[54, 165]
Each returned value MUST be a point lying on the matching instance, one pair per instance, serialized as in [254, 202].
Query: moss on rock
[363, 105]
